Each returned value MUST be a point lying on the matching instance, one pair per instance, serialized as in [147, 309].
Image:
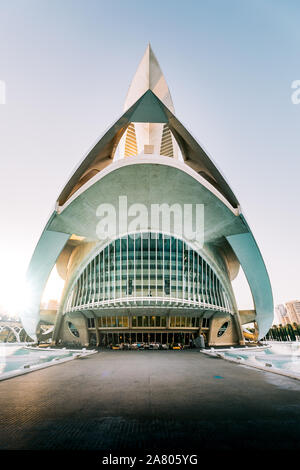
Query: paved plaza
[149, 400]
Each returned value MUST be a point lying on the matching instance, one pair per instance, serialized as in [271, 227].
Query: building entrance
[146, 337]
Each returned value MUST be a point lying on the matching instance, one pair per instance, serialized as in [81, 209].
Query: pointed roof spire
[149, 76]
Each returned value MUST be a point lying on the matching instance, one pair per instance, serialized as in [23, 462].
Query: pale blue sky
[229, 65]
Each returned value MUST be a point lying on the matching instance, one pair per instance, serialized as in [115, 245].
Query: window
[91, 322]
[73, 330]
[154, 265]
[223, 329]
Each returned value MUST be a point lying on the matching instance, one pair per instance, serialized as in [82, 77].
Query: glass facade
[147, 321]
[147, 269]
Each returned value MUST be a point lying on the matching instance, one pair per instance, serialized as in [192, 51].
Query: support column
[97, 331]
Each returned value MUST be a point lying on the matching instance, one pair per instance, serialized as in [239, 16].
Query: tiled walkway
[149, 399]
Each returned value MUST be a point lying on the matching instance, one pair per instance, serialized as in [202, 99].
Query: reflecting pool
[280, 355]
[17, 357]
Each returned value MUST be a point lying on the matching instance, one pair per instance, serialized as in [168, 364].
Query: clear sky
[67, 65]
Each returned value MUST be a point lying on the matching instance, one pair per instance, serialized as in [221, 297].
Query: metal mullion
[85, 286]
[193, 260]
[198, 279]
[183, 284]
[214, 288]
[82, 289]
[214, 284]
[170, 267]
[211, 287]
[108, 274]
[127, 277]
[99, 274]
[223, 297]
[176, 267]
[134, 265]
[90, 299]
[202, 293]
[114, 270]
[99, 279]
[163, 270]
[207, 298]
[189, 286]
[121, 260]
[149, 266]
[88, 284]
[103, 271]
[94, 296]
[218, 293]
[79, 291]
[156, 268]
[142, 264]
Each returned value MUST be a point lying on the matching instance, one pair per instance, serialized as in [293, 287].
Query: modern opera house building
[148, 283]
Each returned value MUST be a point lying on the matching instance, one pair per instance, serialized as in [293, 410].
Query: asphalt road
[149, 400]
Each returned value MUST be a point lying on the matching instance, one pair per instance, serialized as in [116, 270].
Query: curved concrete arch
[221, 221]
[148, 108]
[251, 260]
[43, 259]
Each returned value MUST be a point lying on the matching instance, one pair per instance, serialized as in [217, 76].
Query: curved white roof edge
[152, 159]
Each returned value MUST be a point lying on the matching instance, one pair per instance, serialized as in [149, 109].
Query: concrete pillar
[97, 331]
